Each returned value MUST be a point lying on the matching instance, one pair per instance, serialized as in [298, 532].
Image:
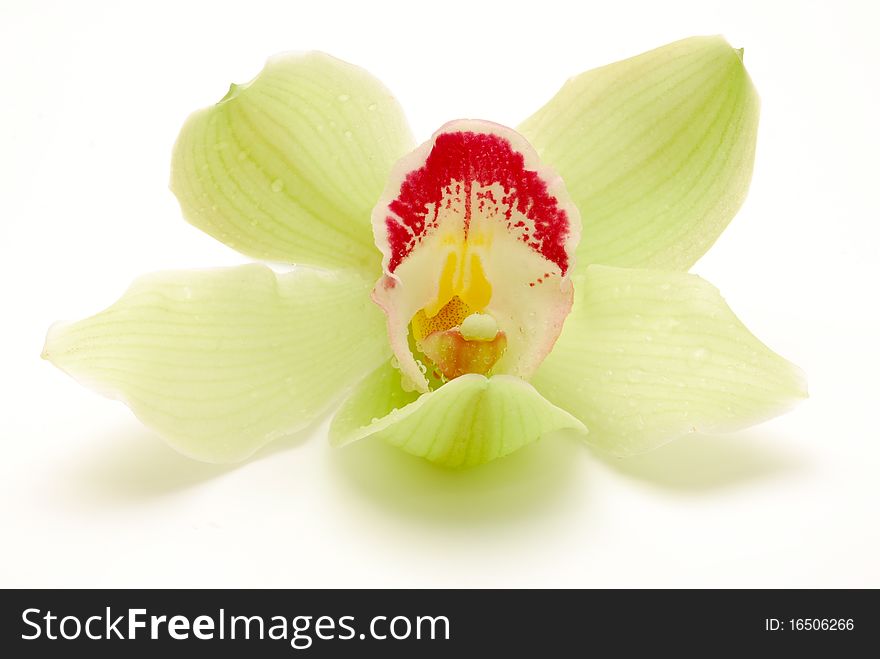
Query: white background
[92, 99]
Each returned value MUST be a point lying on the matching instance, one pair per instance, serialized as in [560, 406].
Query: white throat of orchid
[478, 240]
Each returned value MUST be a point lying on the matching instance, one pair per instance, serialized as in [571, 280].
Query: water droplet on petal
[277, 185]
[343, 97]
[635, 375]
[242, 155]
[372, 107]
[698, 356]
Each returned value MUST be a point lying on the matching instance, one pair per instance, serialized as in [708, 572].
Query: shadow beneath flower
[134, 464]
[525, 483]
[698, 463]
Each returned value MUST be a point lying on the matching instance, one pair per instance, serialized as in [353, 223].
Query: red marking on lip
[485, 159]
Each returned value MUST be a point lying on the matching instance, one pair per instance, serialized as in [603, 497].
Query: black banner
[333, 623]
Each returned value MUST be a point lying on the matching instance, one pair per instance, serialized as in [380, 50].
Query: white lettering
[247, 625]
[155, 621]
[298, 636]
[397, 619]
[134, 623]
[203, 628]
[112, 627]
[24, 619]
[49, 618]
[77, 625]
[89, 628]
[178, 627]
[373, 628]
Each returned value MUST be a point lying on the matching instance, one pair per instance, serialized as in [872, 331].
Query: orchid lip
[472, 224]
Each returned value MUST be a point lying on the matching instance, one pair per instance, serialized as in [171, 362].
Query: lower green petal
[220, 362]
[468, 421]
[647, 356]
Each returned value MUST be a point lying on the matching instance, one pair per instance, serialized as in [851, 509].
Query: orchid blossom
[511, 282]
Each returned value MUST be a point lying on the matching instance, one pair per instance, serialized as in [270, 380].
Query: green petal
[289, 166]
[220, 362]
[656, 151]
[377, 395]
[647, 356]
[468, 421]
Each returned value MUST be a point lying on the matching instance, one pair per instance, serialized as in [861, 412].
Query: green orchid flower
[525, 280]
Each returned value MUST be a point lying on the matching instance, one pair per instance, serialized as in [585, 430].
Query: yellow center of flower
[458, 341]
[451, 315]
[462, 276]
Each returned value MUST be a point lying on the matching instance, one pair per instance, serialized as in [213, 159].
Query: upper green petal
[289, 166]
[656, 151]
[468, 421]
[647, 356]
[220, 362]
